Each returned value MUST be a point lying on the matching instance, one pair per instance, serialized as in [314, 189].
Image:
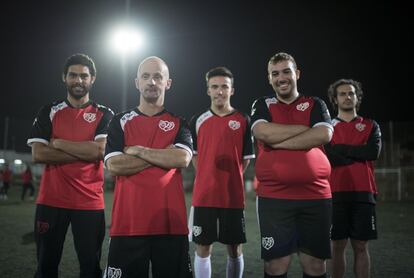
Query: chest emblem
[234, 124]
[166, 125]
[360, 127]
[89, 117]
[302, 106]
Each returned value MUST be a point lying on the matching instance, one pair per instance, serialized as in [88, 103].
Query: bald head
[153, 80]
[153, 63]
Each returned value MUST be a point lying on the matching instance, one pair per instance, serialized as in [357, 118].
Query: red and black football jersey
[150, 202]
[292, 174]
[6, 175]
[352, 150]
[221, 143]
[27, 177]
[76, 185]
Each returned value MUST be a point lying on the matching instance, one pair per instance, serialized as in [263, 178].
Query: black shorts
[51, 225]
[288, 226]
[354, 220]
[225, 225]
[130, 256]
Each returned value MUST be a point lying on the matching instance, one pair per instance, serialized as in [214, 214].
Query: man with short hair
[294, 197]
[146, 149]
[223, 148]
[355, 144]
[69, 136]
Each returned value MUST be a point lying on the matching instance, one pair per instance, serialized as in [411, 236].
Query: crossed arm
[137, 158]
[245, 163]
[344, 154]
[292, 137]
[64, 151]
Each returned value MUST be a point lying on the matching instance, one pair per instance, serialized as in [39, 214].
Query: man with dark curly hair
[355, 144]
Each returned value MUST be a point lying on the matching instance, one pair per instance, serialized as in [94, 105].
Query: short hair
[219, 71]
[80, 59]
[282, 56]
[332, 91]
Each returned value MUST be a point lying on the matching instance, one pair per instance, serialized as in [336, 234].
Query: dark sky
[329, 40]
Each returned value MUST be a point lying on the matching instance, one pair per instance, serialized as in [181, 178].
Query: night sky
[347, 39]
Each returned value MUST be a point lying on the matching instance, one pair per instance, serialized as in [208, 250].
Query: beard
[78, 91]
[151, 95]
[347, 108]
[283, 93]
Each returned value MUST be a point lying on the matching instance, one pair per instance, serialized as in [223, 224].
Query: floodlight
[126, 40]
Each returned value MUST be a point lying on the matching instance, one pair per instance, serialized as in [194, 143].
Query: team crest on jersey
[42, 227]
[197, 230]
[166, 125]
[268, 242]
[302, 106]
[89, 117]
[360, 127]
[113, 272]
[234, 124]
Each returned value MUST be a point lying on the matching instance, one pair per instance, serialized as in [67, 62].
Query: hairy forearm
[126, 165]
[311, 138]
[86, 150]
[46, 154]
[273, 133]
[168, 158]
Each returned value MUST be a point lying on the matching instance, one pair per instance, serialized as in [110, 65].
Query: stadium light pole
[126, 41]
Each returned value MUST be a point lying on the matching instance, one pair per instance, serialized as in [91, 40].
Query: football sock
[235, 267]
[202, 267]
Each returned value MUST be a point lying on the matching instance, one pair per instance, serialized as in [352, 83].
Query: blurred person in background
[27, 179]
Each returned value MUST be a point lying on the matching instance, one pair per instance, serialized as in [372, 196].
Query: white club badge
[302, 106]
[268, 242]
[113, 272]
[166, 125]
[234, 124]
[360, 126]
[197, 230]
[89, 117]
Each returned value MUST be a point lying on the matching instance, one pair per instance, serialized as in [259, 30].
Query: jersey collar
[226, 115]
[158, 114]
[86, 104]
[295, 100]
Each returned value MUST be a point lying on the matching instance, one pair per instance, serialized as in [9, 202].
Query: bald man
[146, 148]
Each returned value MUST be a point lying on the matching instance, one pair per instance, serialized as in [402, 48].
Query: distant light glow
[18, 162]
[127, 40]
[2, 161]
